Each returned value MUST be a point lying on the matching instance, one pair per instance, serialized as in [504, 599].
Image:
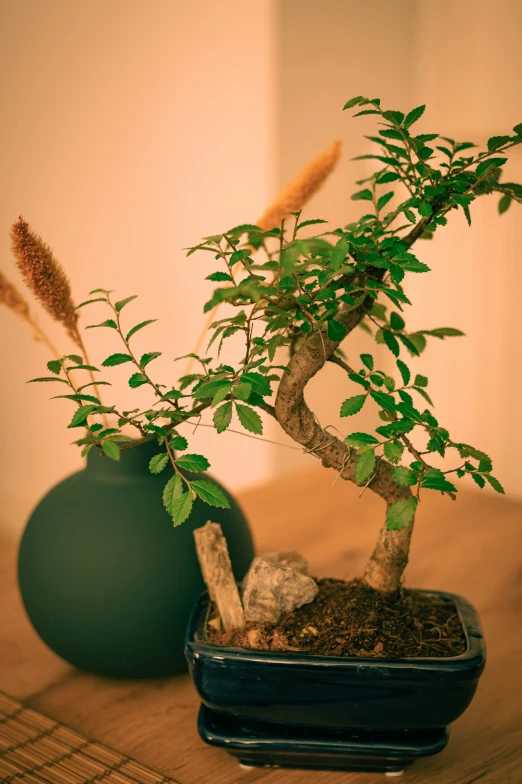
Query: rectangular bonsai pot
[335, 692]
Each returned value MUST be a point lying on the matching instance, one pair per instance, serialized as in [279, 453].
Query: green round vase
[107, 581]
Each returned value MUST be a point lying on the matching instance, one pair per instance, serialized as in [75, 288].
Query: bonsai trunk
[386, 565]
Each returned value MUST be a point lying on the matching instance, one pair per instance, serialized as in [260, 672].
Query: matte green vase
[107, 581]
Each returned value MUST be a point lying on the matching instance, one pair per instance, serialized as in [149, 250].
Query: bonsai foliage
[294, 299]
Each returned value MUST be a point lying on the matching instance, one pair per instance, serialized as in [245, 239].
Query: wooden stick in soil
[212, 551]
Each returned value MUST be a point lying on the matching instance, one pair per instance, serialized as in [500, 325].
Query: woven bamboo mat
[37, 750]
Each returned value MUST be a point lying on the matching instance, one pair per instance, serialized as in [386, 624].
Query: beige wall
[129, 130]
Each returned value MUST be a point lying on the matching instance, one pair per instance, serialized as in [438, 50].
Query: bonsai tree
[294, 299]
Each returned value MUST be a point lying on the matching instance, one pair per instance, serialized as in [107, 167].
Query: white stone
[271, 589]
[290, 558]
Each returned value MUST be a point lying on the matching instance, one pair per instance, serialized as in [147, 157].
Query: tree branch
[389, 559]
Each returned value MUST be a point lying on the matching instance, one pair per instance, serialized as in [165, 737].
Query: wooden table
[471, 546]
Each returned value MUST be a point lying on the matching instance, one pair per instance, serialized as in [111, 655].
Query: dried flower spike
[11, 297]
[301, 190]
[45, 277]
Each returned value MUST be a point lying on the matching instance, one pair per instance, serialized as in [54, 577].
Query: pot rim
[474, 657]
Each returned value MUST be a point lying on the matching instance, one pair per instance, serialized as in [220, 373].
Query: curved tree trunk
[388, 561]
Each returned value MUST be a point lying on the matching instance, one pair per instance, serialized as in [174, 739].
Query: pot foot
[284, 746]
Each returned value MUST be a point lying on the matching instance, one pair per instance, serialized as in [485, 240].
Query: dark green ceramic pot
[107, 581]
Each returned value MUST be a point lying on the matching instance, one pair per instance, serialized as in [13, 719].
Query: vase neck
[133, 460]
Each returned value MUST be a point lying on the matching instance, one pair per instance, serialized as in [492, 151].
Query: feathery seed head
[294, 196]
[43, 274]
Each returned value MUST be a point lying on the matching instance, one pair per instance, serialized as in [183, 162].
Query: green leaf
[172, 490]
[415, 343]
[361, 439]
[395, 428]
[249, 418]
[442, 332]
[55, 366]
[410, 215]
[339, 253]
[193, 463]
[387, 177]
[393, 116]
[424, 209]
[383, 400]
[146, 358]
[420, 381]
[260, 384]
[495, 484]
[504, 204]
[336, 331]
[102, 432]
[108, 323]
[310, 223]
[424, 394]
[137, 380]
[478, 479]
[413, 265]
[413, 116]
[393, 450]
[404, 476]
[364, 465]
[391, 342]
[359, 380]
[466, 450]
[178, 442]
[111, 450]
[83, 367]
[404, 371]
[172, 394]
[401, 514]
[383, 200]
[396, 321]
[137, 327]
[181, 508]
[210, 493]
[354, 102]
[218, 277]
[122, 302]
[78, 398]
[116, 359]
[352, 405]
[47, 378]
[223, 417]
[497, 141]
[367, 360]
[158, 463]
[242, 391]
[490, 163]
[209, 388]
[94, 383]
[434, 479]
[221, 394]
[89, 301]
[80, 415]
[364, 195]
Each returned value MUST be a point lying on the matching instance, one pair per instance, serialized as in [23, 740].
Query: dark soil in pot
[350, 619]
